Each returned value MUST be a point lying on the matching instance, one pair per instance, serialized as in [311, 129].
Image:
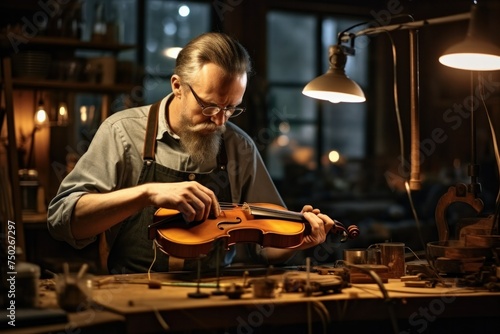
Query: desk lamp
[335, 86]
[475, 53]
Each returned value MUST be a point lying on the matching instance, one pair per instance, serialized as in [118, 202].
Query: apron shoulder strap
[151, 131]
[222, 156]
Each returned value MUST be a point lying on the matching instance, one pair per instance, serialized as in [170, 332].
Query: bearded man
[180, 153]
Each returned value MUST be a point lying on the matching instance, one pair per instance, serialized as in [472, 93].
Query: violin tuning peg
[353, 231]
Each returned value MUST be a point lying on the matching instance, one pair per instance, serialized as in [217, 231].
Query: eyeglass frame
[225, 109]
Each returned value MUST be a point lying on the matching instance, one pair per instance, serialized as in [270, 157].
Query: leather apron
[132, 250]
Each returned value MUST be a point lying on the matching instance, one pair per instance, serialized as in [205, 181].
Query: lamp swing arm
[404, 26]
[349, 37]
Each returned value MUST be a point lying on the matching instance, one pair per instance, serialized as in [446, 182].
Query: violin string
[154, 259]
[229, 205]
[278, 213]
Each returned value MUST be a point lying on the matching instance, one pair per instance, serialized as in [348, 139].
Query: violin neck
[263, 212]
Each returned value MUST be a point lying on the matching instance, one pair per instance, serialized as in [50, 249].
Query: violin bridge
[246, 207]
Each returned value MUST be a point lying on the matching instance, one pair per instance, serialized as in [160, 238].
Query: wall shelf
[61, 49]
[69, 43]
[32, 83]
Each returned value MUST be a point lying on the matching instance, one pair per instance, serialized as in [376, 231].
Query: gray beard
[202, 148]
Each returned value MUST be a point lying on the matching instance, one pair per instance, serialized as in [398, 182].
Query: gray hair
[217, 48]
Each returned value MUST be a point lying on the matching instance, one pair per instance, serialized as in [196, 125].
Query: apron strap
[222, 156]
[151, 131]
[148, 154]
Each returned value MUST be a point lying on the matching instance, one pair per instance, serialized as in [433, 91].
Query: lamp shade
[472, 55]
[334, 85]
[475, 52]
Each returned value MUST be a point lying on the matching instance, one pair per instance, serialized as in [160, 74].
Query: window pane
[344, 129]
[292, 150]
[291, 47]
[292, 61]
[291, 104]
[171, 24]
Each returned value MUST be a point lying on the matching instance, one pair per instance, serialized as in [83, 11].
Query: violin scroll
[351, 232]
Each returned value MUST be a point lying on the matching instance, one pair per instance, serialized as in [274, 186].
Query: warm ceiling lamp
[334, 85]
[41, 116]
[475, 52]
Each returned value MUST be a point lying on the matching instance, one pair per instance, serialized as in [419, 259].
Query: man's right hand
[194, 201]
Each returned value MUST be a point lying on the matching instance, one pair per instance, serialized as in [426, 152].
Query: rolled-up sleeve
[106, 166]
[59, 218]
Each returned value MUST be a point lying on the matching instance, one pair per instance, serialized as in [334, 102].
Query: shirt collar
[163, 127]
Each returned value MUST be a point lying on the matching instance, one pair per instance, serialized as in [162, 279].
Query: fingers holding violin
[203, 201]
[307, 208]
[195, 201]
[328, 222]
[310, 208]
[318, 228]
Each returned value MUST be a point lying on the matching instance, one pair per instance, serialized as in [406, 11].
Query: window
[169, 24]
[308, 130]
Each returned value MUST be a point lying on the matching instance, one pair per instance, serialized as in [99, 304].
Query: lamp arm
[408, 25]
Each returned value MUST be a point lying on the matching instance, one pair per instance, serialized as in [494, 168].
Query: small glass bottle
[99, 26]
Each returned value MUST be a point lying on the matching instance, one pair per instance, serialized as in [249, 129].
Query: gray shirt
[114, 161]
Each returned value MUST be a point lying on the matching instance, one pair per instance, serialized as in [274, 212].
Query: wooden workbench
[125, 304]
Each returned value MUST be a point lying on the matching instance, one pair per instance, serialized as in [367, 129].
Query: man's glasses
[214, 110]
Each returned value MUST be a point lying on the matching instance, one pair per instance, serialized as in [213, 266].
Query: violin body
[237, 225]
[268, 225]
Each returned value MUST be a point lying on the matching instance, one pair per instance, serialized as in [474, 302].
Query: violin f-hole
[221, 225]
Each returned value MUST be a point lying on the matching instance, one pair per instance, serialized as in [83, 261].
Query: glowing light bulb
[41, 117]
[62, 114]
[83, 114]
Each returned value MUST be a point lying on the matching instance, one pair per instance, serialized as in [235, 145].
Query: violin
[269, 225]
